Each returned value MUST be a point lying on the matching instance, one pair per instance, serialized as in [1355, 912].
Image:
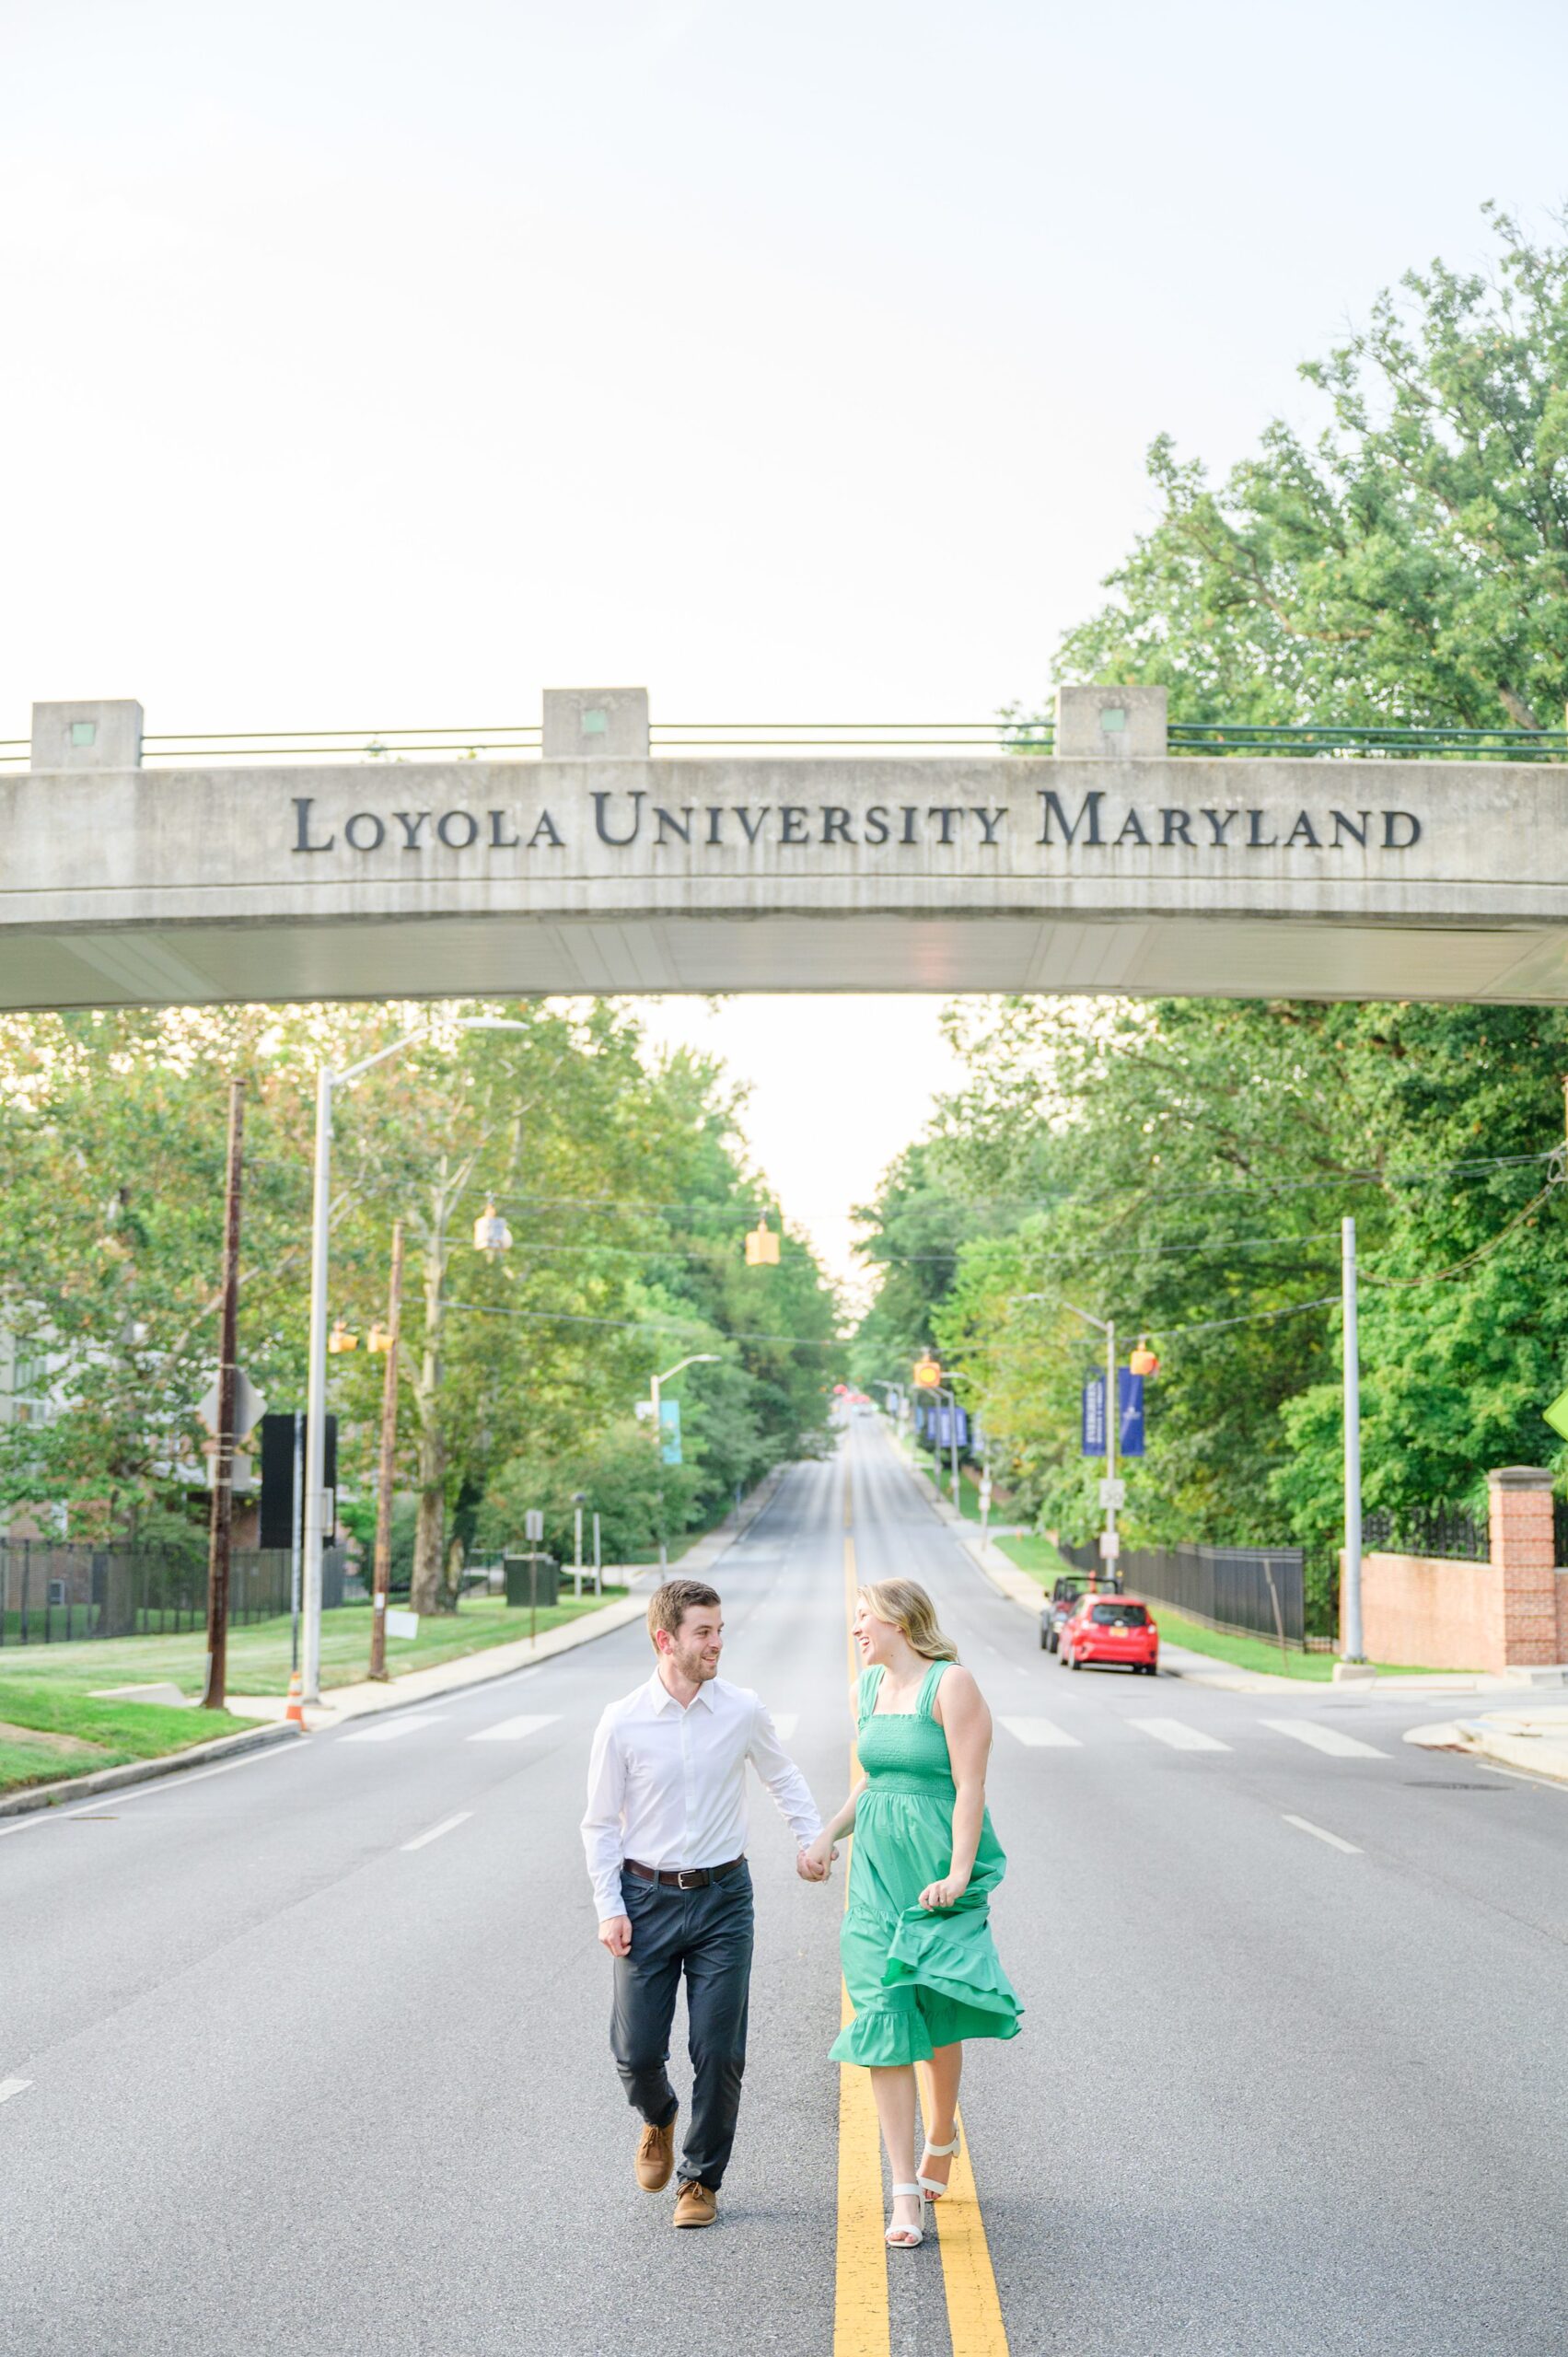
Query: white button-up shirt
[667, 1783]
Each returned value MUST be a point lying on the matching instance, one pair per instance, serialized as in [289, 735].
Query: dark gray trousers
[707, 1934]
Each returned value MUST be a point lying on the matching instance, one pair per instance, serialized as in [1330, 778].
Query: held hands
[946, 1893]
[615, 1934]
[815, 1864]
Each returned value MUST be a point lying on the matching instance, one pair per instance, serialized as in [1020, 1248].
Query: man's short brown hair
[668, 1604]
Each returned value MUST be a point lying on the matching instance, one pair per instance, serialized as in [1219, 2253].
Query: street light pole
[656, 1385]
[1354, 1641]
[327, 1081]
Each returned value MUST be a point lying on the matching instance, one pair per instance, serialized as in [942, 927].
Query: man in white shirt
[665, 1834]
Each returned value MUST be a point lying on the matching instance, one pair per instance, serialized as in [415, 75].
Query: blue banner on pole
[1130, 1389]
[669, 1431]
[1093, 1444]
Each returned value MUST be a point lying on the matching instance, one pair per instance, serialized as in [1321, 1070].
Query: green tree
[1410, 563]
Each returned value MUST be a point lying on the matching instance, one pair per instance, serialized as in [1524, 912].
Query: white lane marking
[295, 1750]
[1330, 1740]
[9, 2087]
[1305, 1825]
[405, 1725]
[446, 1826]
[1179, 1735]
[784, 1724]
[513, 1730]
[1039, 1733]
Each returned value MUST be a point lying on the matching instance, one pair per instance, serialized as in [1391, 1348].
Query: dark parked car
[1064, 1597]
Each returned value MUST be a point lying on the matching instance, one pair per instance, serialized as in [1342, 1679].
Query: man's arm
[784, 1780]
[601, 1827]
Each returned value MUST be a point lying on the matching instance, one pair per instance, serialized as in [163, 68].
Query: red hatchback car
[1110, 1629]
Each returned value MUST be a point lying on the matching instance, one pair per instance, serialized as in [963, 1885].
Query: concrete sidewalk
[340, 1702]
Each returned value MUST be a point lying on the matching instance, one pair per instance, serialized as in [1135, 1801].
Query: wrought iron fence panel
[59, 1592]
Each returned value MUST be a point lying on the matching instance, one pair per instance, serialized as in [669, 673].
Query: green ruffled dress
[917, 1979]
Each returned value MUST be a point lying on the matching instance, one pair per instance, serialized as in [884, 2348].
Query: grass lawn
[259, 1655]
[48, 1730]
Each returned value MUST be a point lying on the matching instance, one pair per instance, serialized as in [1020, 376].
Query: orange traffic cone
[295, 1714]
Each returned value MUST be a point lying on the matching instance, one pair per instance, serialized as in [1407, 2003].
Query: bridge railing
[1254, 742]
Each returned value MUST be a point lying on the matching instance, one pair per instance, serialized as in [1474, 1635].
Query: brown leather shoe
[696, 2204]
[655, 2157]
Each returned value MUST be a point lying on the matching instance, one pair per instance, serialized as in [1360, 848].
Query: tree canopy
[622, 1180]
[1408, 563]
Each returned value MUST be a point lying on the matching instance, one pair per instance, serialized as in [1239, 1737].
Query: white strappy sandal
[931, 2187]
[906, 2237]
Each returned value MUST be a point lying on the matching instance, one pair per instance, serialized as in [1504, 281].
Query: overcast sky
[379, 365]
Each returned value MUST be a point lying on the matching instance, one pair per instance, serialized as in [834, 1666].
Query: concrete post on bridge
[1110, 724]
[596, 724]
[87, 736]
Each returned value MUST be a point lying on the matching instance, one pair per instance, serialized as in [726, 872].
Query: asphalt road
[315, 2049]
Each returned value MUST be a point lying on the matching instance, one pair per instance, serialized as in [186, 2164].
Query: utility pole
[381, 1574]
[220, 1537]
[579, 1498]
[598, 1562]
[1355, 1643]
[1112, 1547]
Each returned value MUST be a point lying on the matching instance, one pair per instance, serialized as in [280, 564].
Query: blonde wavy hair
[911, 1610]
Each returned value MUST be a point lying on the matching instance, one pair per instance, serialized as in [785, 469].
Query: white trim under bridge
[576, 859]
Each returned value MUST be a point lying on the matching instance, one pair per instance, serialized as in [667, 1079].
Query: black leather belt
[683, 1877]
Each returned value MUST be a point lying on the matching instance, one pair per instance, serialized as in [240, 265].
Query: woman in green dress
[919, 1961]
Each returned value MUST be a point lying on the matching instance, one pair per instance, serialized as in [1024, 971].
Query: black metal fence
[1453, 1531]
[63, 1593]
[1256, 1591]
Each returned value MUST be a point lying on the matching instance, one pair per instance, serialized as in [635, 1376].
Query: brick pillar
[1522, 1556]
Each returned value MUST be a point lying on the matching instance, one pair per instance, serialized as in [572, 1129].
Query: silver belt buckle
[692, 1877]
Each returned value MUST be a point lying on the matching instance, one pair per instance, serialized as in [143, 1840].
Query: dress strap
[928, 1686]
[865, 1694]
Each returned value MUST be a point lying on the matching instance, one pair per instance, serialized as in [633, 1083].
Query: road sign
[533, 1525]
[1093, 1440]
[403, 1624]
[1557, 1415]
[1129, 1399]
[248, 1407]
[927, 1373]
[1110, 1545]
[1113, 1494]
[669, 1431]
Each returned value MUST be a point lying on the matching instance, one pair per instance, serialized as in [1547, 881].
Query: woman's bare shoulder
[957, 1689]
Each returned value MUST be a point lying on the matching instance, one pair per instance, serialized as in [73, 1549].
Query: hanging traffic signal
[761, 1246]
[927, 1373]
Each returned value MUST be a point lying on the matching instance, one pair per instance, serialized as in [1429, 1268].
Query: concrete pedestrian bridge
[586, 857]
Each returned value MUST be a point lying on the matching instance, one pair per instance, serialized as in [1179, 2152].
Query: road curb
[143, 1772]
[1530, 1755]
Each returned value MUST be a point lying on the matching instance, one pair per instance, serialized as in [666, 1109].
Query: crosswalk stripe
[406, 1722]
[1330, 1740]
[1179, 1735]
[1039, 1734]
[9, 2087]
[513, 1730]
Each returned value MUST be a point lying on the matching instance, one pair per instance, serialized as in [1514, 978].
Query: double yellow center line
[861, 2326]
